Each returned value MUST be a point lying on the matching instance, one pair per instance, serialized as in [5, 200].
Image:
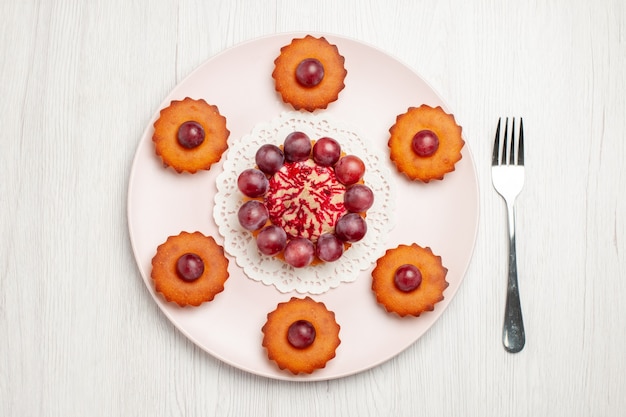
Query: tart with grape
[425, 143]
[301, 335]
[409, 280]
[306, 202]
[190, 135]
[189, 269]
[309, 73]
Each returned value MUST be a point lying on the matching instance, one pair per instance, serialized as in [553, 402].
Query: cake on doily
[265, 206]
[301, 335]
[309, 73]
[190, 135]
[425, 143]
[189, 269]
[309, 207]
[409, 280]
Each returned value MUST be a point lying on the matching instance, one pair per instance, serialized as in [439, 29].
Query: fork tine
[520, 145]
[495, 156]
[511, 144]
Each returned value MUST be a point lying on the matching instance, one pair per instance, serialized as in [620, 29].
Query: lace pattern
[241, 244]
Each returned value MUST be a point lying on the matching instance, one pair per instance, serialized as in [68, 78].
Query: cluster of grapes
[272, 239]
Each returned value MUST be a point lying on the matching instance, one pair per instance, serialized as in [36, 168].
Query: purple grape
[407, 278]
[309, 72]
[329, 247]
[351, 227]
[301, 334]
[297, 147]
[349, 169]
[252, 182]
[269, 158]
[190, 134]
[358, 198]
[326, 151]
[425, 143]
[271, 240]
[253, 215]
[299, 252]
[190, 267]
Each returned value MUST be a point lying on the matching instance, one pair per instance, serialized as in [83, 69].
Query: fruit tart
[301, 335]
[190, 135]
[309, 73]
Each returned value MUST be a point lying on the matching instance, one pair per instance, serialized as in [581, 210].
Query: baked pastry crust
[445, 157]
[309, 98]
[166, 132]
[203, 289]
[424, 297]
[308, 359]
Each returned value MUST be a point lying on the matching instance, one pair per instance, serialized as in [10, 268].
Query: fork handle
[513, 336]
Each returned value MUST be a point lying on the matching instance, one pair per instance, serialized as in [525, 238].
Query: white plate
[442, 214]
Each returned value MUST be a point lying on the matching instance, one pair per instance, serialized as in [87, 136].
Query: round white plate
[442, 214]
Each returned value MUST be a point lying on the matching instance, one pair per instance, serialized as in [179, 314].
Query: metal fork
[507, 175]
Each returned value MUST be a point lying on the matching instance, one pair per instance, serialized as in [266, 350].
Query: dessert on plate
[425, 143]
[409, 280]
[306, 201]
[189, 269]
[190, 135]
[309, 73]
[301, 335]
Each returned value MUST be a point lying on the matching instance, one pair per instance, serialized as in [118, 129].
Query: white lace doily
[240, 243]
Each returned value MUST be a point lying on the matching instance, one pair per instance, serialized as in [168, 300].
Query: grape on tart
[304, 202]
[409, 280]
[425, 143]
[190, 135]
[309, 73]
[189, 269]
[301, 335]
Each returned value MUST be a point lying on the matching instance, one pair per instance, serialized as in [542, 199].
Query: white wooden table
[80, 334]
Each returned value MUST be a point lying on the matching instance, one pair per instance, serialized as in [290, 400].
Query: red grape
[358, 198]
[329, 247]
[190, 267]
[269, 158]
[351, 227]
[349, 169]
[271, 240]
[407, 278]
[301, 334]
[297, 147]
[252, 182]
[309, 72]
[425, 143]
[326, 151]
[299, 252]
[253, 215]
[190, 134]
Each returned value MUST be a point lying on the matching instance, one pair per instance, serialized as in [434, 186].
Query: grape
[190, 267]
[358, 198]
[252, 182]
[253, 215]
[407, 278]
[351, 227]
[190, 134]
[309, 72]
[269, 158]
[326, 151]
[299, 252]
[297, 147]
[301, 334]
[425, 143]
[271, 240]
[349, 169]
[329, 247]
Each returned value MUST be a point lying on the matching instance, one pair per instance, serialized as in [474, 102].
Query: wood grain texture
[80, 334]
